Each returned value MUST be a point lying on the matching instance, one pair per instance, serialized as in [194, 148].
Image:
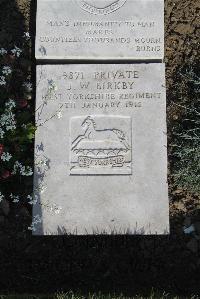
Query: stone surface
[100, 29]
[100, 149]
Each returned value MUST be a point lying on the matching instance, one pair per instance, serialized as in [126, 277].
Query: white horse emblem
[102, 146]
[106, 138]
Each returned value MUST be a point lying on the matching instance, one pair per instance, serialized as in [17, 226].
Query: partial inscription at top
[100, 29]
[102, 7]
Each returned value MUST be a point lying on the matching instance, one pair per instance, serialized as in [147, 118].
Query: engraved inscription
[100, 7]
[103, 91]
[104, 32]
[100, 145]
[113, 161]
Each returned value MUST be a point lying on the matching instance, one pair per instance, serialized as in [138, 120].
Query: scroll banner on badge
[114, 161]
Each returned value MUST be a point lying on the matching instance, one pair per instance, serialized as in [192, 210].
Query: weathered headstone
[100, 29]
[100, 149]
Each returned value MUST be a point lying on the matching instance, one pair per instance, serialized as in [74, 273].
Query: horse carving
[105, 138]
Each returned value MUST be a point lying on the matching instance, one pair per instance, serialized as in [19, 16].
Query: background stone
[65, 30]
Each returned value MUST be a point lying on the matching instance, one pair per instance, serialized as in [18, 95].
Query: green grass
[71, 295]
[186, 131]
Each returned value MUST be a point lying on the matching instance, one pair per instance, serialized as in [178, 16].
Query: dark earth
[128, 264]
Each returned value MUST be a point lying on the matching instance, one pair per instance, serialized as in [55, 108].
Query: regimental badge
[102, 7]
[100, 144]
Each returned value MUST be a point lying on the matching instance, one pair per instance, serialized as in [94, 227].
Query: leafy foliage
[186, 132]
[16, 122]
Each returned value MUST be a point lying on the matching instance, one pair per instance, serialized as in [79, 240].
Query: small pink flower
[6, 174]
[23, 103]
[1, 149]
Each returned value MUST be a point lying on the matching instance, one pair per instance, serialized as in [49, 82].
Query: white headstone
[101, 149]
[100, 29]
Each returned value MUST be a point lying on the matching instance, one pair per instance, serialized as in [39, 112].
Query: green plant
[186, 133]
[16, 125]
